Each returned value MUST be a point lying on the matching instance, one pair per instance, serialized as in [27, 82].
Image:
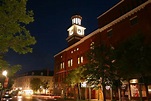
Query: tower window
[76, 21]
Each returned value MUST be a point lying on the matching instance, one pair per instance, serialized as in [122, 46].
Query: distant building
[126, 18]
[22, 82]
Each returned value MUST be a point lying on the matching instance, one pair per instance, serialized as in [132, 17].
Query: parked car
[6, 97]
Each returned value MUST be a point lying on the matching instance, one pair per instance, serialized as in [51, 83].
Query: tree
[75, 77]
[35, 84]
[133, 58]
[45, 85]
[100, 68]
[13, 33]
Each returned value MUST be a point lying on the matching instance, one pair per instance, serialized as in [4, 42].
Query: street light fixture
[4, 73]
[6, 79]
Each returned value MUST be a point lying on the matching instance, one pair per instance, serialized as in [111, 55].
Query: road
[34, 99]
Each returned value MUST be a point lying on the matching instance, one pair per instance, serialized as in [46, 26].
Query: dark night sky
[52, 19]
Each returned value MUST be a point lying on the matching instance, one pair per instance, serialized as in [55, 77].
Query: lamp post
[6, 79]
[4, 73]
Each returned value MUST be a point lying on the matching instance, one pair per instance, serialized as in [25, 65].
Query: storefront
[137, 90]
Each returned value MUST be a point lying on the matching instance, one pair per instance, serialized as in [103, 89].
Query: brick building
[126, 18]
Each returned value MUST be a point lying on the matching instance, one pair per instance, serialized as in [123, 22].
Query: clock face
[70, 32]
[79, 31]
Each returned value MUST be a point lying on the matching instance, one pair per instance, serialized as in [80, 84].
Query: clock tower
[76, 31]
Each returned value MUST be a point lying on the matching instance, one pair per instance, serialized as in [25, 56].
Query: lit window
[76, 21]
[79, 21]
[92, 45]
[62, 65]
[80, 59]
[73, 21]
[70, 63]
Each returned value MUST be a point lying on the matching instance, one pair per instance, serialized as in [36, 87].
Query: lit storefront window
[135, 86]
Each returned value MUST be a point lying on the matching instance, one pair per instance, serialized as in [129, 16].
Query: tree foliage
[35, 84]
[100, 67]
[45, 85]
[13, 33]
[75, 76]
[100, 70]
[133, 57]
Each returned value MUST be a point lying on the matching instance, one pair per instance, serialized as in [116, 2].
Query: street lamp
[6, 79]
[4, 73]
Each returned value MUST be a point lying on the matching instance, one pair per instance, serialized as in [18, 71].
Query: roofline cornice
[125, 15]
[110, 9]
[77, 43]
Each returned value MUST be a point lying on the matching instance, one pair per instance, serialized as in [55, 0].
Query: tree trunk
[129, 91]
[89, 93]
[147, 94]
[79, 92]
[104, 93]
[111, 92]
[140, 92]
[119, 92]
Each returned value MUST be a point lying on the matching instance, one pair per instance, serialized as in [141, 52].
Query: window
[134, 20]
[62, 65]
[76, 21]
[92, 45]
[80, 59]
[70, 62]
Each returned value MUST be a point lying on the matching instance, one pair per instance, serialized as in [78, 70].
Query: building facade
[126, 18]
[22, 82]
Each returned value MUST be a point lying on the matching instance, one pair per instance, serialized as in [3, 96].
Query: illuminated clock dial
[71, 32]
[79, 31]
